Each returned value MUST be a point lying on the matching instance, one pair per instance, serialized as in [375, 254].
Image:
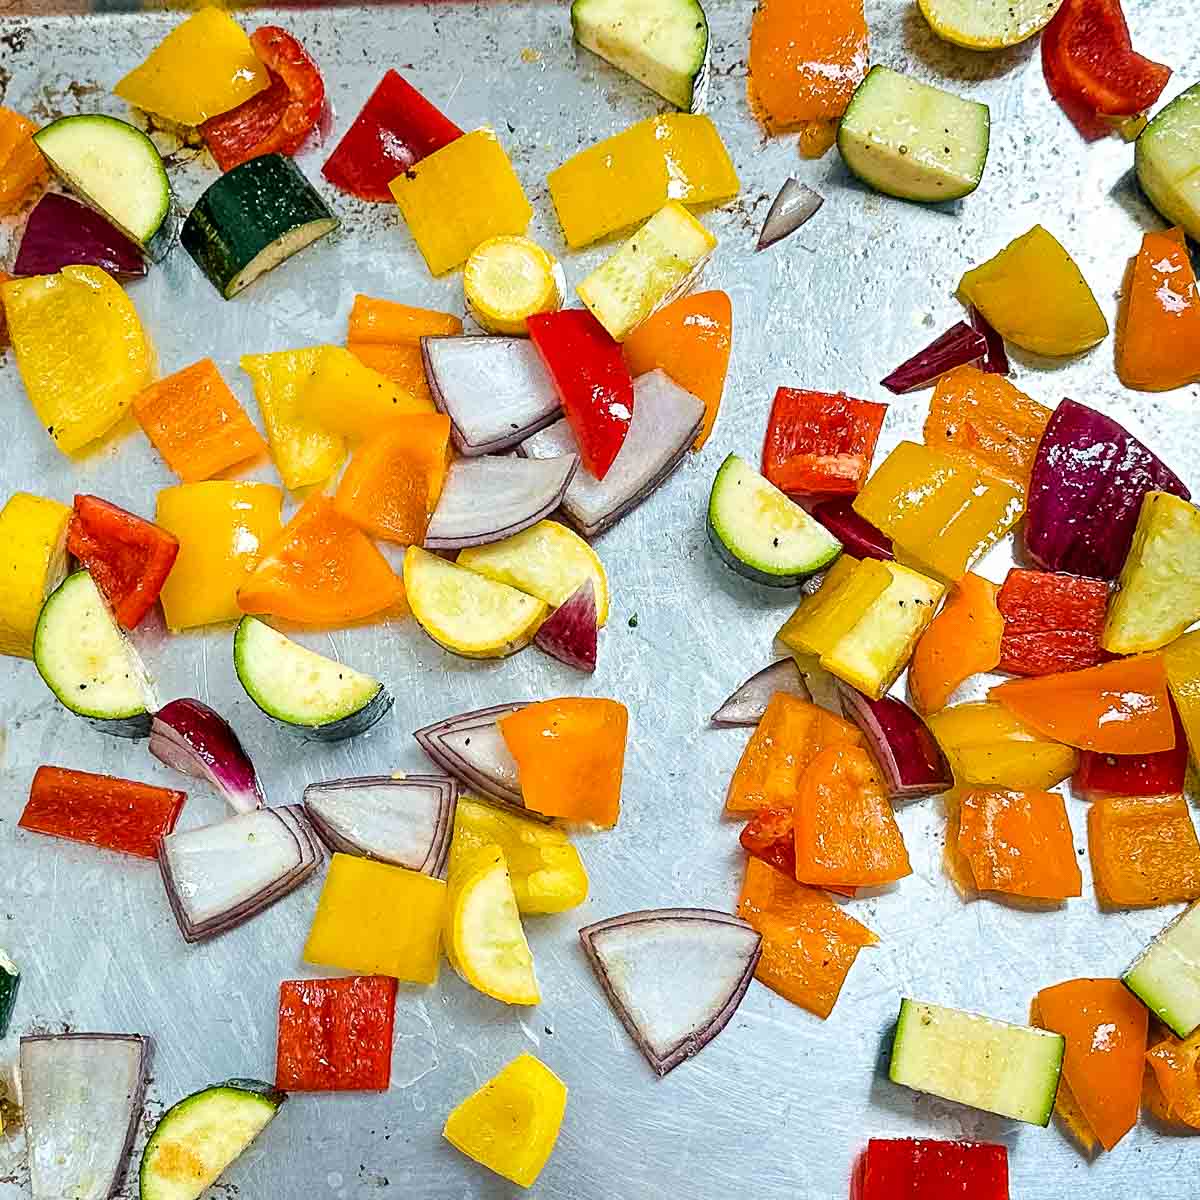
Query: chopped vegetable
[857, 534]
[959, 346]
[1164, 975]
[510, 1125]
[471, 748]
[507, 280]
[674, 976]
[795, 204]
[1182, 658]
[995, 360]
[22, 168]
[197, 741]
[61, 232]
[10, 983]
[347, 398]
[569, 633]
[33, 562]
[335, 1034]
[1159, 774]
[1144, 851]
[748, 704]
[386, 337]
[900, 1168]
[845, 592]
[1052, 622]
[990, 25]
[1168, 155]
[907, 753]
[1173, 1064]
[769, 836]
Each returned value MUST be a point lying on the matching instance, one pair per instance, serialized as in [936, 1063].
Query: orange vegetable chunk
[403, 365]
[1120, 707]
[393, 482]
[790, 735]
[845, 830]
[388, 323]
[570, 757]
[962, 640]
[196, 423]
[1019, 843]
[1176, 1068]
[22, 166]
[321, 570]
[1144, 851]
[809, 943]
[690, 340]
[1105, 1028]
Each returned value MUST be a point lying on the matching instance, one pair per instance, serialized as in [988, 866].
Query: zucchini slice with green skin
[113, 167]
[252, 219]
[324, 699]
[762, 534]
[10, 983]
[1167, 156]
[89, 664]
[200, 1136]
[907, 139]
[1166, 975]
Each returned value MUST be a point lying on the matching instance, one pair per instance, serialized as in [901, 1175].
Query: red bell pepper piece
[927, 1169]
[129, 558]
[396, 128]
[277, 119]
[100, 810]
[820, 443]
[1052, 622]
[593, 382]
[770, 836]
[335, 1034]
[1159, 774]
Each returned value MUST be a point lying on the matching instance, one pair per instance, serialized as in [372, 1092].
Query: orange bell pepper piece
[690, 340]
[790, 735]
[321, 570]
[1018, 843]
[570, 757]
[1119, 707]
[1144, 851]
[196, 423]
[1052, 622]
[963, 640]
[845, 830]
[393, 482]
[22, 166]
[1176, 1068]
[809, 943]
[1105, 1028]
[770, 836]
[1158, 328]
[402, 365]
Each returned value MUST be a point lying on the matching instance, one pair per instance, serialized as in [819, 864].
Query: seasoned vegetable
[470, 747]
[960, 345]
[1144, 851]
[33, 562]
[198, 741]
[1168, 157]
[345, 397]
[987, 25]
[933, 1170]
[856, 533]
[1164, 976]
[910, 759]
[748, 705]
[1052, 622]
[794, 205]
[61, 232]
[569, 633]
[1182, 659]
[509, 279]
[22, 168]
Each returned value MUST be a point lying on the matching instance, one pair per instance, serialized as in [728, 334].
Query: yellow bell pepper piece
[222, 528]
[345, 397]
[1035, 296]
[820, 620]
[942, 511]
[81, 351]
[459, 196]
[202, 68]
[33, 562]
[510, 1125]
[304, 452]
[376, 919]
[628, 177]
[1182, 658]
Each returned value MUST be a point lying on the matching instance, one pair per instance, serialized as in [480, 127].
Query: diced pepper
[1018, 843]
[924, 1169]
[849, 589]
[203, 67]
[1159, 774]
[846, 833]
[1182, 658]
[964, 639]
[386, 337]
[403, 365]
[593, 383]
[99, 810]
[33, 562]
[1052, 622]
[690, 339]
[770, 836]
[393, 482]
[396, 128]
[570, 756]
[320, 570]
[1120, 707]
[222, 530]
[1144, 851]
[335, 1034]
[808, 943]
[129, 558]
[628, 177]
[941, 511]
[820, 443]
[1066, 1107]
[1176, 1068]
[356, 928]
[1158, 329]
[277, 119]
[347, 398]
[459, 196]
[22, 167]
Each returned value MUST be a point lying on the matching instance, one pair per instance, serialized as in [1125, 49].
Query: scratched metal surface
[781, 1102]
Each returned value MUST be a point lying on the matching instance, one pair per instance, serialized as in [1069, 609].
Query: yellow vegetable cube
[33, 562]
[346, 397]
[1182, 658]
[820, 620]
[376, 919]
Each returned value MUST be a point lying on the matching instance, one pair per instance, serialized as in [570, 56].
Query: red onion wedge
[220, 875]
[197, 741]
[795, 204]
[959, 345]
[674, 976]
[570, 632]
[61, 232]
[82, 1098]
[495, 390]
[491, 498]
[665, 422]
[995, 360]
[858, 536]
[907, 753]
[405, 820]
[747, 705]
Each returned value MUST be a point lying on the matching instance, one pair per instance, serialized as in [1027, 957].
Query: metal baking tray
[781, 1102]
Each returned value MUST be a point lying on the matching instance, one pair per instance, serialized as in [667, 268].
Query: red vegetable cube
[925, 1169]
[1052, 622]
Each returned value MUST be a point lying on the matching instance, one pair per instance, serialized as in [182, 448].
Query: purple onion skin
[859, 537]
[215, 750]
[570, 632]
[61, 232]
[995, 360]
[1085, 491]
[746, 705]
[959, 345]
[908, 754]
